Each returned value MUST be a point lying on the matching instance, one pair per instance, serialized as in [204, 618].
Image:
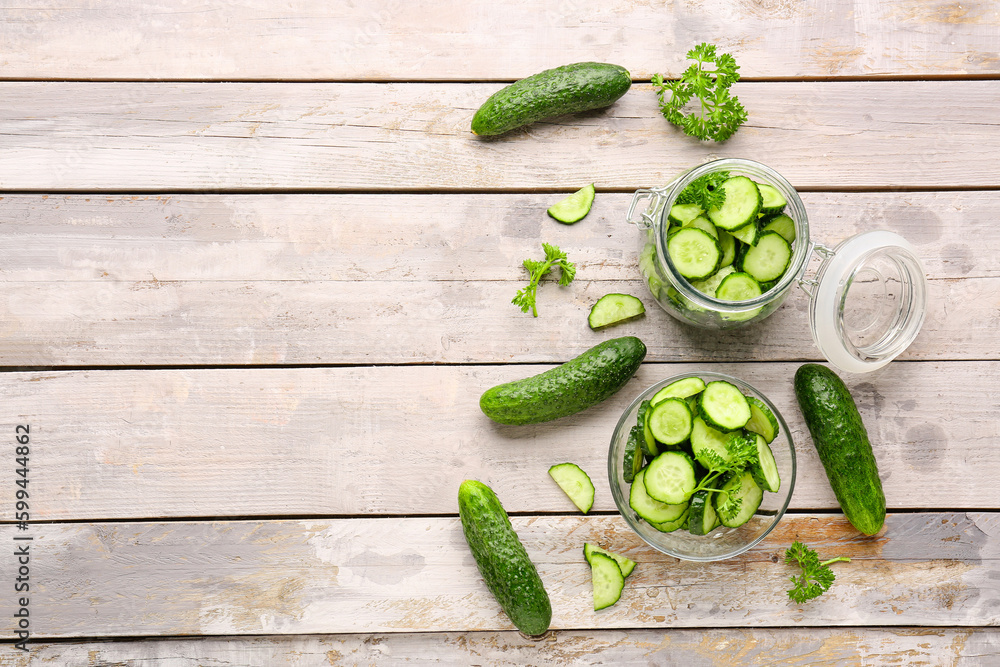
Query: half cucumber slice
[575, 207]
[614, 308]
[575, 483]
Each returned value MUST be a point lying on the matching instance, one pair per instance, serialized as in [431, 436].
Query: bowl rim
[621, 503]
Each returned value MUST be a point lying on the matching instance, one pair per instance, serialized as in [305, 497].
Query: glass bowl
[722, 542]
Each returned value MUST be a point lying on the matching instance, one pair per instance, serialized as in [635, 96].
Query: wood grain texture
[751, 647]
[254, 137]
[399, 440]
[391, 39]
[303, 279]
[403, 575]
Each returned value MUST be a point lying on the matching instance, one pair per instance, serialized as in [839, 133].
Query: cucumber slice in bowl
[723, 406]
[575, 207]
[702, 517]
[680, 389]
[765, 469]
[613, 309]
[762, 420]
[650, 509]
[575, 483]
[633, 454]
[670, 478]
[738, 500]
[670, 421]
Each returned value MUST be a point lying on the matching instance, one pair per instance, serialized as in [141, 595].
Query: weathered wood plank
[404, 575]
[399, 440]
[391, 39]
[188, 279]
[147, 136]
[752, 647]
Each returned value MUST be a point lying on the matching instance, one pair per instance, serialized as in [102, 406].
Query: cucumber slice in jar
[769, 259]
[741, 206]
[762, 420]
[575, 483]
[723, 406]
[670, 421]
[681, 214]
[738, 500]
[772, 201]
[650, 509]
[607, 579]
[680, 389]
[575, 207]
[614, 309]
[710, 285]
[747, 234]
[727, 242]
[694, 252]
[765, 469]
[624, 564]
[781, 224]
[702, 223]
[669, 478]
[738, 286]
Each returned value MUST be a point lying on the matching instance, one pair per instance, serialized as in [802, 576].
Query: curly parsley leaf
[816, 577]
[718, 114]
[537, 269]
[705, 191]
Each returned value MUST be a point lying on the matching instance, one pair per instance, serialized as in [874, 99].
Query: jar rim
[800, 253]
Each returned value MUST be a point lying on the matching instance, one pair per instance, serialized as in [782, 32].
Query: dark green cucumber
[554, 92]
[843, 446]
[567, 389]
[508, 571]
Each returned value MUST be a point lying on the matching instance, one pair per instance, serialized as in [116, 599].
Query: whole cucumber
[506, 568]
[553, 92]
[567, 389]
[843, 446]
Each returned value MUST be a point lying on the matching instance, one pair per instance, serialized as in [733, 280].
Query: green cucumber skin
[564, 390]
[506, 568]
[553, 92]
[843, 446]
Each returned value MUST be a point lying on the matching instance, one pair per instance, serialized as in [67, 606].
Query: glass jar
[867, 300]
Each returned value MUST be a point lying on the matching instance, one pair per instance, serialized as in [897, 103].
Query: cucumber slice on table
[613, 309]
[576, 483]
[762, 421]
[650, 509]
[772, 201]
[765, 469]
[723, 406]
[680, 389]
[669, 478]
[702, 517]
[607, 579]
[738, 500]
[769, 259]
[624, 564]
[575, 207]
[781, 224]
[694, 252]
[670, 421]
[741, 206]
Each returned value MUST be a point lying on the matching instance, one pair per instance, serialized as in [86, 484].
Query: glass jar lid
[868, 301]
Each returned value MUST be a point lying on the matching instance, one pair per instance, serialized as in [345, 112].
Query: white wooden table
[256, 272]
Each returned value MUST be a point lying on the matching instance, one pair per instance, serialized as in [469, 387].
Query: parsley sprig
[705, 191]
[740, 450]
[816, 577]
[717, 114]
[525, 298]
